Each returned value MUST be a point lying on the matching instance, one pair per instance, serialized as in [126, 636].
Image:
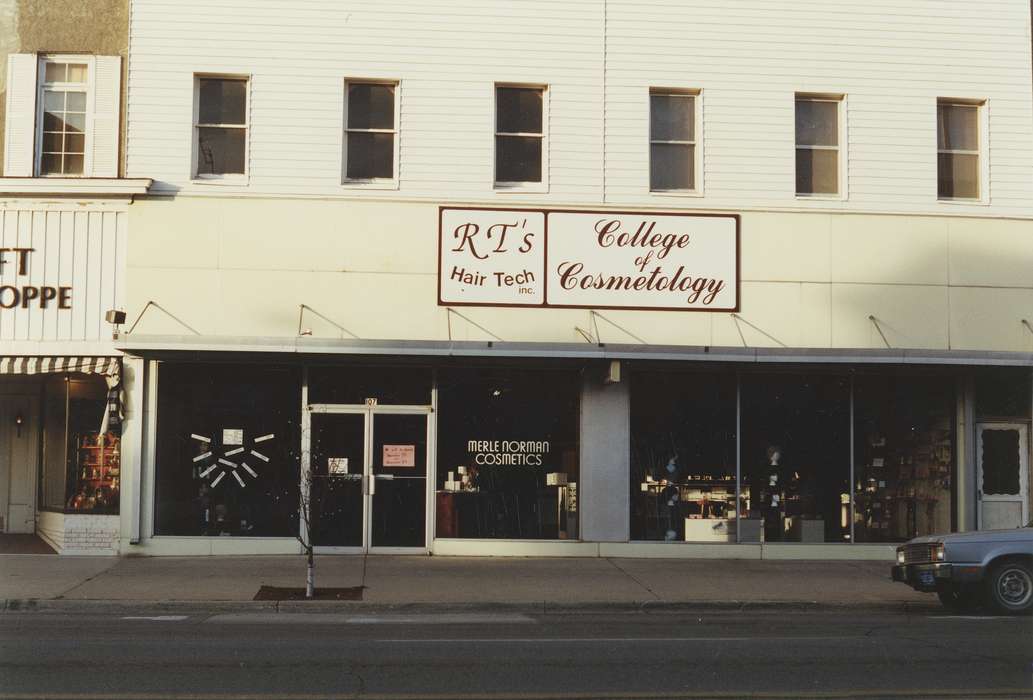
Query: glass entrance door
[368, 484]
[398, 480]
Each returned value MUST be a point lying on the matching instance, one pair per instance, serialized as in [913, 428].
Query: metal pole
[852, 491]
[738, 457]
[306, 458]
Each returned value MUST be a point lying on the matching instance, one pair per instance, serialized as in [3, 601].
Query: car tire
[1010, 587]
[957, 598]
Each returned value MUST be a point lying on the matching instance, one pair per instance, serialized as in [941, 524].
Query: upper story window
[62, 116]
[672, 141]
[220, 126]
[370, 131]
[519, 135]
[817, 145]
[957, 150]
[63, 106]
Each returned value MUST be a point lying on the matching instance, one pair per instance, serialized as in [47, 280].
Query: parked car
[967, 569]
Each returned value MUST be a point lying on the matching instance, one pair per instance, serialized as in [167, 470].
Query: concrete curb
[198, 607]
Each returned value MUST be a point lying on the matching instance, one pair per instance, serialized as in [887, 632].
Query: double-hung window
[817, 145]
[519, 135]
[672, 141]
[220, 127]
[63, 90]
[62, 116]
[370, 131]
[957, 149]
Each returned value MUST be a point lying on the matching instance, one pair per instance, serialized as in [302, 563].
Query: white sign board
[61, 267]
[589, 259]
[399, 455]
[491, 257]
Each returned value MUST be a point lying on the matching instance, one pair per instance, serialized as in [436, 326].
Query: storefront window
[508, 454]
[55, 444]
[796, 458]
[683, 457]
[904, 456]
[227, 444]
[82, 467]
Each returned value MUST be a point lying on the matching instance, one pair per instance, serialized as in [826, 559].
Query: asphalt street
[774, 653]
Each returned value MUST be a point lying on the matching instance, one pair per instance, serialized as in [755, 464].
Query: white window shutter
[20, 124]
[107, 83]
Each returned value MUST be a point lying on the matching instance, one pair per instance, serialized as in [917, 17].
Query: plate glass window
[817, 146]
[221, 126]
[672, 141]
[519, 134]
[370, 147]
[63, 144]
[957, 157]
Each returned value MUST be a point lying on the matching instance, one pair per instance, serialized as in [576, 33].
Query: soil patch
[281, 593]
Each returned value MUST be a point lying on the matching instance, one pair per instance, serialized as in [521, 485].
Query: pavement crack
[62, 594]
[633, 578]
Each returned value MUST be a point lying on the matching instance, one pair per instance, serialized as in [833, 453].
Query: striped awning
[106, 366]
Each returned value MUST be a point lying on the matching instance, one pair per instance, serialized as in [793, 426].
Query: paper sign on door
[399, 455]
[337, 466]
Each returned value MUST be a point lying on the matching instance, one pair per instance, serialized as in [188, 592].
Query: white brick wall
[80, 534]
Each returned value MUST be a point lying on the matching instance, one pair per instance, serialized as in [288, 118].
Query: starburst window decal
[211, 463]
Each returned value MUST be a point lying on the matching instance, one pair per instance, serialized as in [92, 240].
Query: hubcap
[1015, 587]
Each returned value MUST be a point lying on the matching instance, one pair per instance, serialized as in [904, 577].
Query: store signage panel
[589, 259]
[642, 261]
[491, 257]
[60, 271]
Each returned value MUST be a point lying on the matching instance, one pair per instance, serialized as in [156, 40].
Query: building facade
[576, 278]
[63, 248]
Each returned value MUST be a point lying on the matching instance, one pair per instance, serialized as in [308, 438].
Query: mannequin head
[774, 455]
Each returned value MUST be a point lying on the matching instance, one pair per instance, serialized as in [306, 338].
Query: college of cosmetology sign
[588, 259]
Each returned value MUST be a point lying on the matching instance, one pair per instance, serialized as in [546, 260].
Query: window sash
[43, 86]
[836, 148]
[393, 132]
[976, 153]
[539, 135]
[693, 142]
[244, 127]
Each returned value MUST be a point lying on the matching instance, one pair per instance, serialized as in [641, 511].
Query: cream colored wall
[229, 266]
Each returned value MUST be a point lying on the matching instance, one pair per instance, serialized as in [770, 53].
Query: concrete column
[132, 447]
[604, 496]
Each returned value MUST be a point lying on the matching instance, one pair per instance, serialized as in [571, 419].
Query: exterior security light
[115, 317]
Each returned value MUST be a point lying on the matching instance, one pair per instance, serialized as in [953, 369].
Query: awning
[108, 367]
[159, 347]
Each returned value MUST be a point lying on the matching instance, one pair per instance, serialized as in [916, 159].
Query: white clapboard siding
[20, 116]
[891, 59]
[106, 97]
[84, 249]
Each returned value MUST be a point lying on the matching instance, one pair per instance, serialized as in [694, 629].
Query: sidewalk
[49, 582]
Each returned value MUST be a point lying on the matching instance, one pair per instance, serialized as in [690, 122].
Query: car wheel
[958, 598]
[1010, 587]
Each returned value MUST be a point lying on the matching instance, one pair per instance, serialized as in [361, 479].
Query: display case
[97, 463]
